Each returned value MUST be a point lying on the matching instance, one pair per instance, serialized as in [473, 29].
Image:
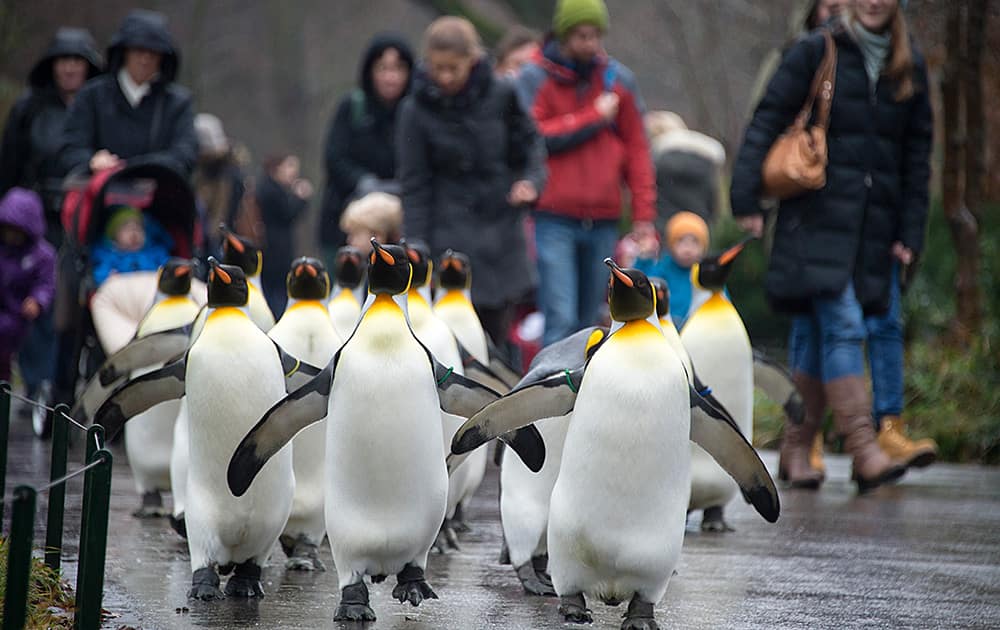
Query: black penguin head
[389, 269]
[662, 296]
[713, 271]
[349, 267]
[420, 257]
[175, 277]
[455, 272]
[308, 280]
[631, 296]
[240, 251]
[227, 285]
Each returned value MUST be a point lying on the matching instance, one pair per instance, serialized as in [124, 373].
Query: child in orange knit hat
[686, 237]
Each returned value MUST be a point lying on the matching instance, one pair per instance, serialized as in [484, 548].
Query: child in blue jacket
[686, 238]
[132, 242]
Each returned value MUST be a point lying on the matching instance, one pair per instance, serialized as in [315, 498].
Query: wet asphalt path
[922, 554]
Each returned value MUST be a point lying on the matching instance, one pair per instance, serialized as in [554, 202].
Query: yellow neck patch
[306, 304]
[416, 299]
[225, 312]
[637, 329]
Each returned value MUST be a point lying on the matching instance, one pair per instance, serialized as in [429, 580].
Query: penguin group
[363, 416]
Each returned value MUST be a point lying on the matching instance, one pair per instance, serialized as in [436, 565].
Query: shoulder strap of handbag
[822, 87]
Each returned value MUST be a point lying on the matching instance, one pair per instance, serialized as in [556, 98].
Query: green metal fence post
[4, 434]
[22, 532]
[90, 573]
[57, 494]
[95, 442]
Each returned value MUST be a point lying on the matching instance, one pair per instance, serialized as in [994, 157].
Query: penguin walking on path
[717, 342]
[387, 483]
[305, 331]
[150, 436]
[230, 375]
[617, 514]
[348, 275]
[435, 335]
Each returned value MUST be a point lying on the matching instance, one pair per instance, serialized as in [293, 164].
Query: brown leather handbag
[796, 162]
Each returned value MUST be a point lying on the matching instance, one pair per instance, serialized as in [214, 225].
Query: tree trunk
[962, 223]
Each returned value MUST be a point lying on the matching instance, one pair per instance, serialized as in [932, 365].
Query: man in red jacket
[588, 109]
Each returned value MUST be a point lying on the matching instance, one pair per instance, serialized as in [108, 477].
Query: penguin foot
[458, 521]
[447, 540]
[533, 583]
[639, 616]
[412, 587]
[354, 604]
[245, 581]
[574, 609]
[713, 523]
[378, 579]
[205, 585]
[504, 553]
[178, 524]
[152, 506]
[303, 555]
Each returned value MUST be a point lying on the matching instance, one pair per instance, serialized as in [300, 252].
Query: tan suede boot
[816, 453]
[793, 465]
[892, 438]
[848, 398]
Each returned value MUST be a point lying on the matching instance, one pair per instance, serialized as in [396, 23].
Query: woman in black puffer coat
[834, 249]
[470, 159]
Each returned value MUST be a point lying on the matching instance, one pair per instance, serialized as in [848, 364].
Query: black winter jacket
[458, 157]
[160, 129]
[361, 139]
[33, 133]
[876, 180]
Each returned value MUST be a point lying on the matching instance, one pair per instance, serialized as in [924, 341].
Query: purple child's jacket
[29, 270]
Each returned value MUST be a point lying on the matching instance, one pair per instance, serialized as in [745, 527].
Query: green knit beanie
[570, 13]
[121, 216]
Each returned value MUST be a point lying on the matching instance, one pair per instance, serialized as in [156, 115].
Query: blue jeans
[885, 355]
[827, 343]
[572, 277]
[37, 355]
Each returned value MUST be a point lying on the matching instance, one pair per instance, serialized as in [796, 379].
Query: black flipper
[500, 367]
[547, 398]
[774, 380]
[142, 393]
[713, 429]
[297, 373]
[296, 411]
[527, 442]
[153, 349]
[460, 396]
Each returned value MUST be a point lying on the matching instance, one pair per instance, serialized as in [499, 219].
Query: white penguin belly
[179, 457]
[233, 377]
[306, 332]
[387, 480]
[525, 496]
[720, 349]
[344, 313]
[616, 522]
[458, 313]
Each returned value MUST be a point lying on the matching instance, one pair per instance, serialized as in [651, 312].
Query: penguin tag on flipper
[141, 394]
[141, 352]
[713, 429]
[547, 398]
[774, 380]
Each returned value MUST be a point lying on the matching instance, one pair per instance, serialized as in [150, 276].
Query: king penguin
[717, 342]
[387, 483]
[349, 276]
[617, 512]
[305, 331]
[433, 333]
[240, 251]
[150, 436]
[231, 374]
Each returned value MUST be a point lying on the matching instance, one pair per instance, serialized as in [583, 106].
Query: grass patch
[50, 600]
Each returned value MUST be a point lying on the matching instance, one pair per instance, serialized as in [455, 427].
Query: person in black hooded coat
[835, 249]
[33, 133]
[119, 116]
[359, 155]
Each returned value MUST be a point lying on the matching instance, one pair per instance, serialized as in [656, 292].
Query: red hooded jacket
[589, 159]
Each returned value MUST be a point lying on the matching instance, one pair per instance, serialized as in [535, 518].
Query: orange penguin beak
[618, 273]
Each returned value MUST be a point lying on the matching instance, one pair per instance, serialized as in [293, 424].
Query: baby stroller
[154, 189]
